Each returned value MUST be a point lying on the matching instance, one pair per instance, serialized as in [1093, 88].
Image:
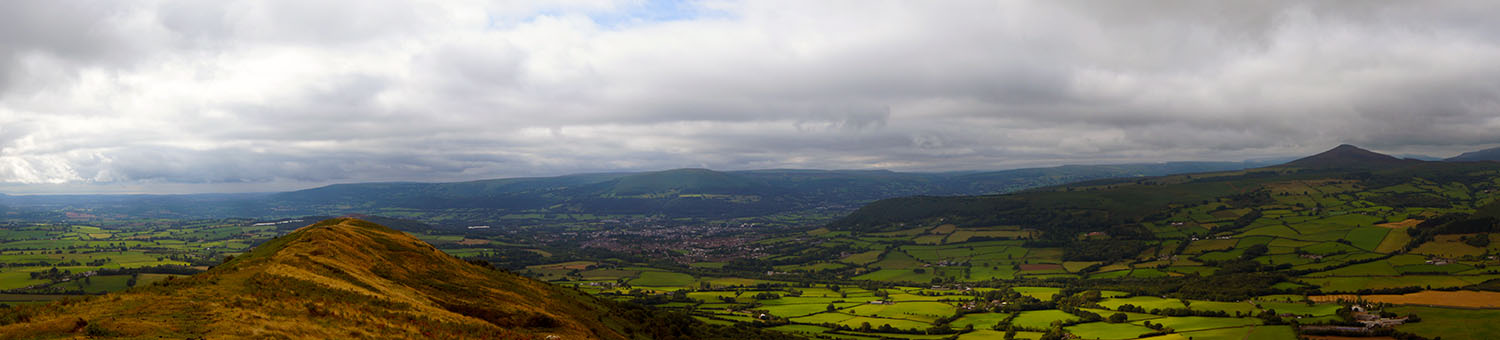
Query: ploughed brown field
[1461, 298]
[1400, 225]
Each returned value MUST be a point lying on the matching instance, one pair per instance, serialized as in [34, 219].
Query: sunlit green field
[51, 259]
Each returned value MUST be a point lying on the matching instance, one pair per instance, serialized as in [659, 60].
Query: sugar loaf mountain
[1346, 243]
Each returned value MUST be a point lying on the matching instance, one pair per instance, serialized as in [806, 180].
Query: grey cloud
[284, 93]
[222, 23]
[37, 37]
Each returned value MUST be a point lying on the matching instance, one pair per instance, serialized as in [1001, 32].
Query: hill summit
[1347, 156]
[341, 278]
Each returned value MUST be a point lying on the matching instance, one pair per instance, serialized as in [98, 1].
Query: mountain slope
[1491, 154]
[340, 278]
[1121, 206]
[687, 181]
[1349, 157]
[701, 193]
[681, 193]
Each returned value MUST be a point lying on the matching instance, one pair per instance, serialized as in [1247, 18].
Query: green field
[1105, 330]
[918, 311]
[1301, 308]
[1240, 333]
[1450, 323]
[980, 320]
[822, 318]
[1166, 240]
[859, 321]
[1041, 319]
[1367, 238]
[1227, 307]
[806, 329]
[1191, 323]
[1041, 293]
[796, 310]
[663, 279]
[1147, 302]
[863, 258]
[98, 259]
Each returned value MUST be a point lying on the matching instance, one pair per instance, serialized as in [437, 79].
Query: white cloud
[291, 94]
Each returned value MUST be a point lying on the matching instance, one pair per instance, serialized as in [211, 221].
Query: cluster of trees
[887, 328]
[1012, 301]
[672, 325]
[157, 269]
[68, 263]
[1484, 221]
[1158, 327]
[1254, 251]
[1246, 219]
[51, 274]
[1415, 200]
[1481, 240]
[1103, 250]
[511, 258]
[1230, 287]
[1190, 312]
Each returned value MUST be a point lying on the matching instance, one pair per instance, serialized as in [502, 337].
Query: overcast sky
[215, 96]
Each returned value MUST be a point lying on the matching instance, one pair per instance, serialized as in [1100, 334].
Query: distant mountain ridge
[678, 193]
[688, 181]
[1120, 206]
[1491, 154]
[809, 195]
[703, 193]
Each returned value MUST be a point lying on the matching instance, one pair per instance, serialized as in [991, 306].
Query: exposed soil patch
[1400, 225]
[473, 242]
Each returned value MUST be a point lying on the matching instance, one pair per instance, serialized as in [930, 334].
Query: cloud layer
[158, 96]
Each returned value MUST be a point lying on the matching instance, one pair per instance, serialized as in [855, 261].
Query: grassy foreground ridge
[344, 278]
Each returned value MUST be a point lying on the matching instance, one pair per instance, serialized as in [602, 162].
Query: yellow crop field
[1460, 298]
[1394, 240]
[1408, 223]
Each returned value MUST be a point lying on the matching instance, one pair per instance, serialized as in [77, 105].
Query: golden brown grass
[342, 278]
[944, 229]
[1448, 246]
[1408, 223]
[473, 241]
[1460, 298]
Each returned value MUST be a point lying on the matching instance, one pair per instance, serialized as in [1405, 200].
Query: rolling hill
[1347, 156]
[348, 278]
[700, 193]
[811, 196]
[1491, 154]
[1120, 206]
